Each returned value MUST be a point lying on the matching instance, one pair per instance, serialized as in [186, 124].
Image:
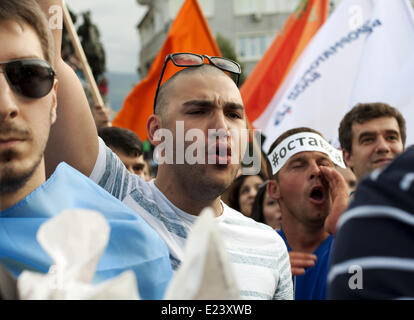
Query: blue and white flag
[132, 244]
[363, 53]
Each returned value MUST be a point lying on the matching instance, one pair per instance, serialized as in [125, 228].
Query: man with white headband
[312, 195]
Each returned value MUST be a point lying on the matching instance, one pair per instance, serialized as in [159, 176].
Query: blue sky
[117, 22]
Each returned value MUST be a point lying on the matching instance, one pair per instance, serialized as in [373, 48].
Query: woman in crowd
[242, 193]
[265, 209]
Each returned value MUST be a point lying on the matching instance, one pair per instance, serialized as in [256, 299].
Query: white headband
[300, 142]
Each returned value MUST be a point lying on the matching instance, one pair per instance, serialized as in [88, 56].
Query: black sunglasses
[31, 78]
[186, 59]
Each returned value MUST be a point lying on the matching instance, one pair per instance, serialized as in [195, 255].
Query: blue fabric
[133, 244]
[312, 285]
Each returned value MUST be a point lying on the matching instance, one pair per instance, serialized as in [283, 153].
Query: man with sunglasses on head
[200, 101]
[28, 110]
[203, 98]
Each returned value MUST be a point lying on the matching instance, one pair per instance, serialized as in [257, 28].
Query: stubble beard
[200, 184]
[11, 180]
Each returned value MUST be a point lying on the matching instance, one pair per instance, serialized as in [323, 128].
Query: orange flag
[268, 75]
[189, 33]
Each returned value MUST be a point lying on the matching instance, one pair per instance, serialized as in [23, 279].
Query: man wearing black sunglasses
[203, 102]
[28, 109]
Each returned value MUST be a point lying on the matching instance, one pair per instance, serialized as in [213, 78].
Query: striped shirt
[258, 254]
[373, 256]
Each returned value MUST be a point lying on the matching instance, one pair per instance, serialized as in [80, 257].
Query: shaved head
[169, 85]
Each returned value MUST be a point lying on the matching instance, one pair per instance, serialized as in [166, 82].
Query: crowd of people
[293, 231]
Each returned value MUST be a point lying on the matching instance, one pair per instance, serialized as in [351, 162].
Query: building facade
[250, 25]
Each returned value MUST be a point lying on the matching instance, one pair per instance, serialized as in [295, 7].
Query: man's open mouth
[317, 195]
[220, 154]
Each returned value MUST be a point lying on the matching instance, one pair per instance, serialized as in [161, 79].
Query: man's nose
[315, 171]
[8, 106]
[219, 127]
[220, 122]
[382, 145]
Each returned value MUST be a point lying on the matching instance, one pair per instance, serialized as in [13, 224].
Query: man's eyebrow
[209, 103]
[374, 133]
[199, 103]
[234, 106]
[392, 131]
[325, 157]
[367, 134]
[305, 159]
[297, 159]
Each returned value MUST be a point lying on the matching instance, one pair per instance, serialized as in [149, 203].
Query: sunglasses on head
[31, 78]
[186, 59]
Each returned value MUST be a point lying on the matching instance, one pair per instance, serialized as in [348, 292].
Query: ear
[273, 189]
[347, 158]
[54, 102]
[153, 124]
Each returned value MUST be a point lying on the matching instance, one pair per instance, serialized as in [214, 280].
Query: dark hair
[29, 12]
[364, 112]
[123, 139]
[282, 137]
[234, 190]
[257, 209]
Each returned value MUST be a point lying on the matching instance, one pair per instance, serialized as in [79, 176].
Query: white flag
[363, 53]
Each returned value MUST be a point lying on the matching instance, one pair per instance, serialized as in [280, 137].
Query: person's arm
[73, 137]
[284, 289]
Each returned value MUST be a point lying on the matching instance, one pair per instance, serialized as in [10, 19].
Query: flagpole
[96, 95]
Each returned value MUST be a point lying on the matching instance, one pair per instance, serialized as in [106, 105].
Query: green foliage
[67, 48]
[228, 51]
[90, 39]
[89, 36]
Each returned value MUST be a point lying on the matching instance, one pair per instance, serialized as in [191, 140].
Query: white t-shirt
[258, 254]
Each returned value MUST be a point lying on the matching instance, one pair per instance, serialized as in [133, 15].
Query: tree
[89, 35]
[90, 39]
[228, 51]
[67, 47]
[95, 54]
